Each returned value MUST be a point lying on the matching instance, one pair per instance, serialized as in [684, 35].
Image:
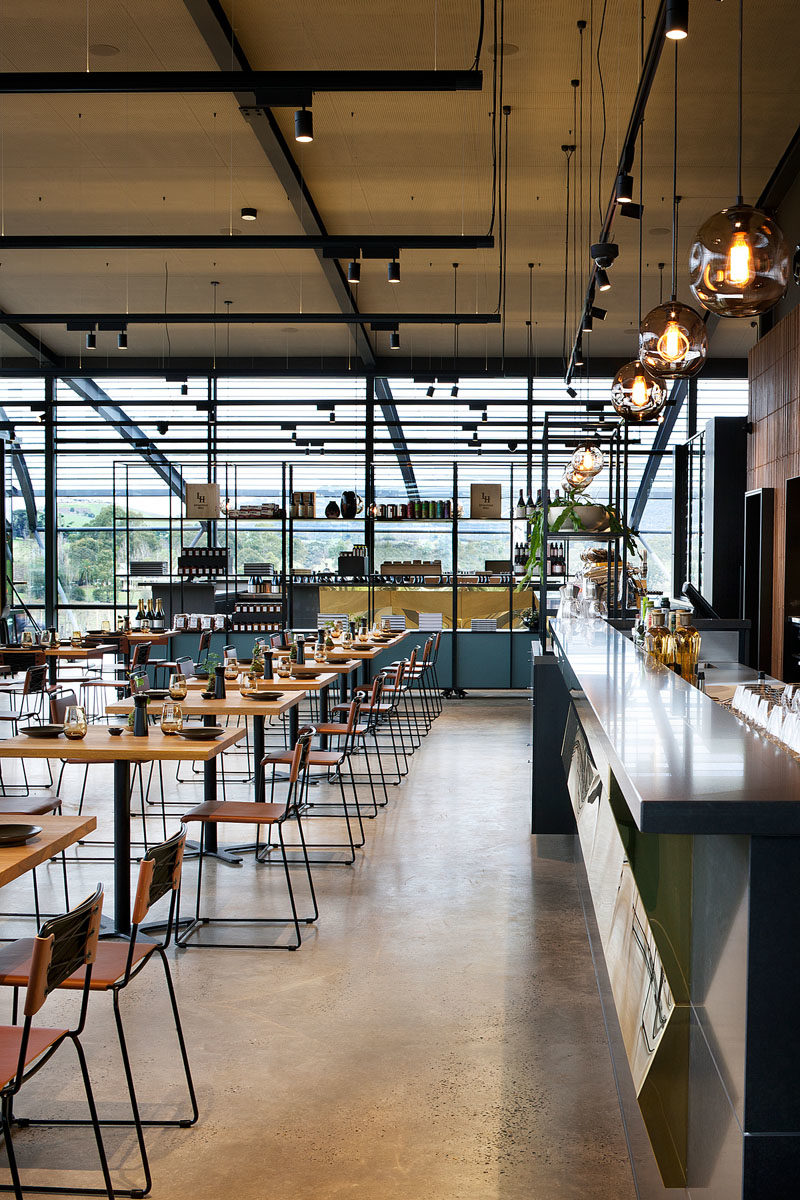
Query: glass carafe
[75, 724]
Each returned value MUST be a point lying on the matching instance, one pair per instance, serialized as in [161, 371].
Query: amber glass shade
[574, 481]
[587, 460]
[636, 394]
[673, 342]
[739, 263]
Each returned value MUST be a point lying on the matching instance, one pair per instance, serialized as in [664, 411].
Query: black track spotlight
[512, 446]
[571, 393]
[393, 271]
[332, 418]
[249, 214]
[91, 341]
[631, 210]
[303, 125]
[599, 314]
[586, 323]
[578, 359]
[184, 389]
[162, 428]
[604, 253]
[677, 23]
[623, 191]
[394, 340]
[430, 391]
[454, 390]
[122, 340]
[603, 282]
[484, 415]
[354, 272]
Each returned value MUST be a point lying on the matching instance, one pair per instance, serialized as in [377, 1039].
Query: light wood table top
[67, 651]
[158, 637]
[277, 683]
[233, 705]
[99, 746]
[57, 833]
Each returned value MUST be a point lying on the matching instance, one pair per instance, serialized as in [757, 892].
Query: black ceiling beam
[278, 88]
[626, 157]
[677, 395]
[330, 246]
[395, 366]
[118, 321]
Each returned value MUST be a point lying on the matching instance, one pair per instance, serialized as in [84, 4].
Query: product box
[484, 500]
[202, 501]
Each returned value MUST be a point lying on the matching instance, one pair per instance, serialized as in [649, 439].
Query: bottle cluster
[151, 612]
[669, 637]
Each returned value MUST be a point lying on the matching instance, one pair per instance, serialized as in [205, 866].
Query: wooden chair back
[141, 654]
[59, 705]
[64, 944]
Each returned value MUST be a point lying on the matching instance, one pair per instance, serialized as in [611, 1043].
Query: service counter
[688, 827]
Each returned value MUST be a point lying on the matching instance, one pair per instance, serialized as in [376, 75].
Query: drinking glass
[44, 638]
[27, 638]
[246, 683]
[75, 725]
[145, 626]
[178, 687]
[171, 718]
[105, 626]
[231, 668]
[76, 637]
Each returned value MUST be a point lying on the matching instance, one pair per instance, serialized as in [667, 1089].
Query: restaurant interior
[400, 599]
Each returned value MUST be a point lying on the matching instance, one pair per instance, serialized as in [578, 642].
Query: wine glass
[178, 687]
[171, 718]
[75, 725]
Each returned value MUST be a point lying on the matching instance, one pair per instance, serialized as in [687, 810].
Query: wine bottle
[159, 619]
[529, 508]
[141, 612]
[521, 509]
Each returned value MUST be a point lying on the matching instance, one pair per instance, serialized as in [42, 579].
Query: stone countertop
[683, 763]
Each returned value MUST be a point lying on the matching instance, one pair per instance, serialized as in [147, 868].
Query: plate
[43, 731]
[17, 835]
[202, 733]
[308, 672]
[208, 695]
[262, 695]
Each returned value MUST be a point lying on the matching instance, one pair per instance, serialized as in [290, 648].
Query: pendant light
[673, 342]
[304, 125]
[636, 394]
[588, 460]
[739, 263]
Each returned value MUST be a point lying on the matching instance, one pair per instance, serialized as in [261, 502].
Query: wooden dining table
[98, 746]
[69, 653]
[233, 705]
[56, 834]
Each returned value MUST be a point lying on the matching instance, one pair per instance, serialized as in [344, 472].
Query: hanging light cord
[477, 61]
[568, 153]
[603, 102]
[641, 167]
[675, 179]
[739, 154]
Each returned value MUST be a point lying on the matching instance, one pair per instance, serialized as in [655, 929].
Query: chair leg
[137, 1120]
[181, 1041]
[87, 1083]
[12, 1158]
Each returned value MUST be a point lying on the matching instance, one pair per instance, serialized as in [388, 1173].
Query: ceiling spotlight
[677, 24]
[454, 390]
[623, 191]
[354, 272]
[393, 271]
[578, 359]
[162, 427]
[394, 340]
[599, 314]
[249, 214]
[184, 389]
[586, 323]
[303, 125]
[604, 253]
[332, 418]
[484, 415]
[122, 340]
[91, 341]
[512, 446]
[629, 209]
[430, 390]
[571, 392]
[603, 282]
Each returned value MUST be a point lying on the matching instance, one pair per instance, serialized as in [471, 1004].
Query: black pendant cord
[641, 172]
[675, 180]
[739, 148]
[568, 150]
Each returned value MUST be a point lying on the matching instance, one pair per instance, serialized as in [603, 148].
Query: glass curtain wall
[125, 454]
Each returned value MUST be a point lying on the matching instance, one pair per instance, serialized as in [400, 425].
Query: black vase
[350, 502]
[140, 726]
[332, 509]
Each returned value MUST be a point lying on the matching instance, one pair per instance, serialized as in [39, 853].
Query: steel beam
[121, 320]
[677, 395]
[395, 430]
[271, 88]
[382, 245]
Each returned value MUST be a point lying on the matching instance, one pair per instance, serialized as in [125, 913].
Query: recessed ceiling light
[103, 50]
[659, 231]
[504, 48]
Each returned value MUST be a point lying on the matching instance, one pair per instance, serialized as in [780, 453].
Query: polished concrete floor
[438, 1035]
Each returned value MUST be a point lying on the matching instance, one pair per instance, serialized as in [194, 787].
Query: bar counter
[688, 844]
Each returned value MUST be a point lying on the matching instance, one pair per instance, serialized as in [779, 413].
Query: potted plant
[576, 512]
[206, 668]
